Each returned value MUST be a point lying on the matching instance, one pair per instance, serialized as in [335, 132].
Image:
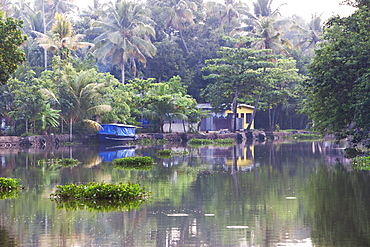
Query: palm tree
[127, 30]
[61, 39]
[263, 8]
[78, 97]
[180, 16]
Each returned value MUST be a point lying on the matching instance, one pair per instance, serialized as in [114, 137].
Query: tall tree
[238, 73]
[126, 37]
[10, 54]
[61, 40]
[336, 94]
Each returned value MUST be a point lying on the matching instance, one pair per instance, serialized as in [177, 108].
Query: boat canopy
[117, 129]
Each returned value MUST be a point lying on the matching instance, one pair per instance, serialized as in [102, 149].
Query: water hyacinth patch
[361, 163]
[9, 188]
[100, 196]
[196, 141]
[166, 153]
[134, 163]
[57, 163]
[218, 142]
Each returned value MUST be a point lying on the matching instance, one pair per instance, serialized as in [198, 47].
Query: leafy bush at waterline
[9, 188]
[134, 163]
[361, 163]
[100, 196]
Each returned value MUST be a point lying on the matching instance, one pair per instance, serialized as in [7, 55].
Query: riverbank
[42, 141]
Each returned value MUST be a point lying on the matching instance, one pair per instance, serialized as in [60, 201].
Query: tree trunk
[26, 125]
[183, 41]
[44, 24]
[123, 71]
[254, 112]
[234, 108]
[70, 129]
[270, 121]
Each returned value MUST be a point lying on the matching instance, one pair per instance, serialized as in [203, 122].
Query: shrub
[134, 163]
[100, 196]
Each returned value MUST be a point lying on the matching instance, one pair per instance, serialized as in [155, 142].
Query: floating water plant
[56, 163]
[146, 142]
[134, 163]
[166, 153]
[100, 196]
[304, 137]
[162, 141]
[361, 163]
[227, 141]
[9, 188]
[195, 141]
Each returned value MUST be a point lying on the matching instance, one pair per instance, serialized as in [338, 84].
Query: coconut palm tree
[79, 98]
[127, 30]
[61, 39]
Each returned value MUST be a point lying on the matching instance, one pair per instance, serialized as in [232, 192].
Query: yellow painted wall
[243, 110]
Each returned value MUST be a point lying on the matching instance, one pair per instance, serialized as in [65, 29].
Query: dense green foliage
[10, 54]
[57, 163]
[134, 163]
[100, 196]
[338, 93]
[9, 188]
[178, 50]
[361, 163]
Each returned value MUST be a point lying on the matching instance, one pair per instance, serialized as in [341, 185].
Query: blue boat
[117, 132]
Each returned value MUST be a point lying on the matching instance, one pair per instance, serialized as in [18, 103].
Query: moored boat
[117, 132]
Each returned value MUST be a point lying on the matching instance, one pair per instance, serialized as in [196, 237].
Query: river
[260, 194]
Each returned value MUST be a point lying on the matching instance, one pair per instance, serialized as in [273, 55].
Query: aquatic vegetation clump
[203, 142]
[100, 196]
[57, 163]
[162, 141]
[165, 153]
[134, 163]
[146, 142]
[361, 163]
[304, 137]
[227, 141]
[9, 188]
[196, 141]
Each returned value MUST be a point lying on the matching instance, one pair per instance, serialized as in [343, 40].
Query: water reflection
[108, 153]
[265, 194]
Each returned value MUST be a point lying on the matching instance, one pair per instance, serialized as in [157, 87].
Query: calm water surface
[265, 194]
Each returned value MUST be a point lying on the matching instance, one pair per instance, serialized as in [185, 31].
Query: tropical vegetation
[151, 63]
[100, 196]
